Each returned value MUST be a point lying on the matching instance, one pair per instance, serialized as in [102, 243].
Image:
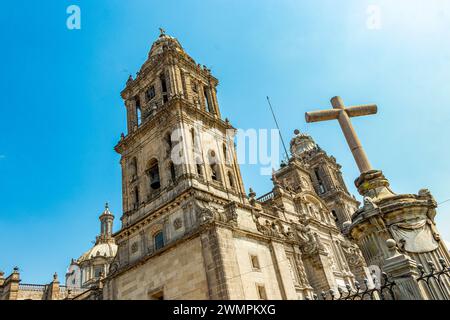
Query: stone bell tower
[326, 176]
[179, 165]
[176, 137]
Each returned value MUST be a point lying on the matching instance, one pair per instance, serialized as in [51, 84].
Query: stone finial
[106, 205]
[296, 132]
[55, 277]
[16, 269]
[274, 179]
[251, 193]
[369, 204]
[346, 227]
[424, 193]
[392, 248]
[346, 224]
[161, 32]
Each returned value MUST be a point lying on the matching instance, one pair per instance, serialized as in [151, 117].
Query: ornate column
[131, 115]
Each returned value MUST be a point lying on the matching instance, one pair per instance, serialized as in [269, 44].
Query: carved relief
[352, 254]
[301, 271]
[134, 247]
[231, 212]
[310, 242]
[204, 215]
[177, 223]
[416, 236]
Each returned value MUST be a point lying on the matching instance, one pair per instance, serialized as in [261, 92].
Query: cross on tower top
[343, 115]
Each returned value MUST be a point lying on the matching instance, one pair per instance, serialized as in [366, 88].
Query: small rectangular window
[194, 86]
[255, 262]
[138, 110]
[163, 83]
[207, 101]
[98, 271]
[321, 188]
[214, 174]
[261, 292]
[159, 240]
[151, 93]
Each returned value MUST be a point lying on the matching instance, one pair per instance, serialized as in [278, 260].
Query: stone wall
[178, 273]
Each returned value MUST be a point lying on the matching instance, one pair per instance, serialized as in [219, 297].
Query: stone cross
[343, 115]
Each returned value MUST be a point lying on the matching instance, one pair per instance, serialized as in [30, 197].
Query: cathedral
[190, 230]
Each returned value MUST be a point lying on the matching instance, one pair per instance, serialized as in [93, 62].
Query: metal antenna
[278, 127]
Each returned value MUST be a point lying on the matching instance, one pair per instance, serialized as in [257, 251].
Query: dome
[301, 143]
[164, 41]
[107, 250]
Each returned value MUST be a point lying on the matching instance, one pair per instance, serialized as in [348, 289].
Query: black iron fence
[435, 279]
[384, 291]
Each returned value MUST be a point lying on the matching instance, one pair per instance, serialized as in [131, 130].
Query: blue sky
[61, 113]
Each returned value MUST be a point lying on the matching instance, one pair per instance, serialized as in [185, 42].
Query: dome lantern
[301, 143]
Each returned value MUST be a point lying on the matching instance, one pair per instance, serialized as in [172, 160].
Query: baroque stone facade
[189, 230]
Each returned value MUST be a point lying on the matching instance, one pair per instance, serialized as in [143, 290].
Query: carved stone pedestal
[406, 218]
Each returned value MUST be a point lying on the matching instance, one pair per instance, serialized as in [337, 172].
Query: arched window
[198, 165]
[138, 110]
[173, 174]
[162, 78]
[150, 93]
[224, 149]
[230, 179]
[214, 172]
[169, 143]
[98, 271]
[214, 167]
[333, 213]
[168, 139]
[136, 197]
[153, 174]
[194, 149]
[319, 180]
[133, 167]
[207, 100]
[158, 240]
